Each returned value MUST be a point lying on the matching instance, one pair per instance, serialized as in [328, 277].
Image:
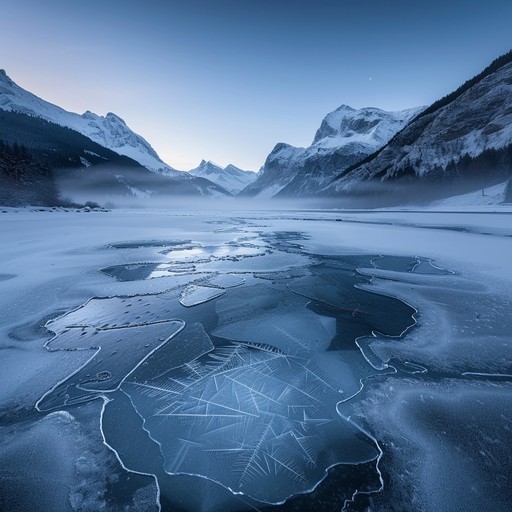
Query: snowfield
[257, 357]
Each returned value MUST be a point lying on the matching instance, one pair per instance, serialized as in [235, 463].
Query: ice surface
[138, 244]
[313, 339]
[118, 352]
[362, 311]
[193, 295]
[225, 281]
[255, 420]
[260, 314]
[112, 312]
[286, 241]
[141, 271]
[231, 251]
[403, 264]
[189, 344]
[130, 272]
[277, 261]
[282, 275]
[448, 443]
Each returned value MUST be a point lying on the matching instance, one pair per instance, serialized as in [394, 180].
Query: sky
[226, 80]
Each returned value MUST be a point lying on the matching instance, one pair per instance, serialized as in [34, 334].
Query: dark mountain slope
[460, 142]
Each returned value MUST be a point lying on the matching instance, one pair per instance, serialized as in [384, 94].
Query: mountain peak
[4, 78]
[360, 125]
[114, 117]
[346, 108]
[89, 115]
[280, 146]
[230, 178]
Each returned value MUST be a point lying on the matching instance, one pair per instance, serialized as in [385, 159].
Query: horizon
[226, 83]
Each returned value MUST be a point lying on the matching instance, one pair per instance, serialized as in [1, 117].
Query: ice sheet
[459, 345]
[225, 281]
[362, 310]
[255, 420]
[118, 352]
[193, 295]
[260, 314]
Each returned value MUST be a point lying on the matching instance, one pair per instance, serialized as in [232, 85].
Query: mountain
[230, 178]
[36, 156]
[460, 142]
[109, 131]
[345, 136]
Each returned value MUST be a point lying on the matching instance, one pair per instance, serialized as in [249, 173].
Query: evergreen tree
[23, 179]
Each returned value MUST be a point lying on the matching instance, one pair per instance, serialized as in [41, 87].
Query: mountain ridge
[231, 178]
[38, 155]
[345, 136]
[466, 135]
[110, 131]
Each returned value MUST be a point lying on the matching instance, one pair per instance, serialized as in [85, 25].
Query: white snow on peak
[231, 178]
[347, 133]
[479, 119]
[368, 126]
[109, 131]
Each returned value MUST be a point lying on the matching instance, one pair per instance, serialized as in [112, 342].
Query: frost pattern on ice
[253, 419]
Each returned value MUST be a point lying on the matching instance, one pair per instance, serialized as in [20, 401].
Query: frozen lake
[277, 361]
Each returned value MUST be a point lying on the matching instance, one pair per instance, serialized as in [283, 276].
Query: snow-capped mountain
[109, 131]
[230, 178]
[345, 136]
[465, 137]
[39, 155]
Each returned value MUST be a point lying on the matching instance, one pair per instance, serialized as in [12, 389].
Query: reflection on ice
[141, 271]
[201, 254]
[148, 243]
[111, 312]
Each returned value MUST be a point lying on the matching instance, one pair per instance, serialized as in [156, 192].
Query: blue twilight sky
[226, 80]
